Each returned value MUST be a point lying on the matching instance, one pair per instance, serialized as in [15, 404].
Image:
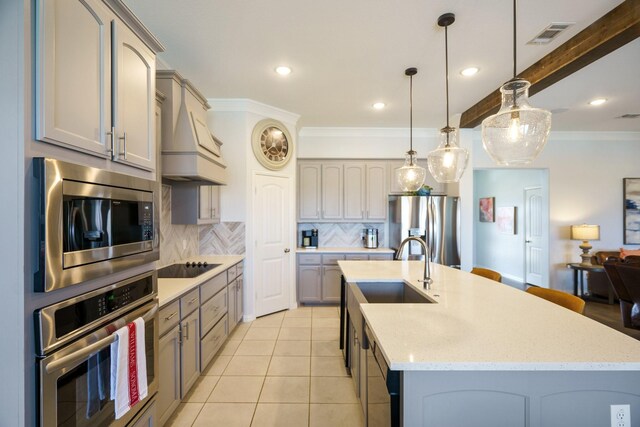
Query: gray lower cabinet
[319, 275]
[169, 374]
[189, 352]
[213, 340]
[239, 296]
[232, 292]
[148, 418]
[331, 276]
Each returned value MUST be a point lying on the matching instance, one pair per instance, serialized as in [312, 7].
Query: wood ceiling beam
[613, 30]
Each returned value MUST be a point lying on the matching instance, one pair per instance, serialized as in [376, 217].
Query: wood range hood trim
[616, 28]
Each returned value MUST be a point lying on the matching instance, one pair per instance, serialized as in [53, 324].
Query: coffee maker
[370, 238]
[310, 238]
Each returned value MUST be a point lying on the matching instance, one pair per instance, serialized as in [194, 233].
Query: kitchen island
[486, 354]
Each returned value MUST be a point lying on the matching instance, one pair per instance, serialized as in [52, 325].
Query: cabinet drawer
[232, 273]
[357, 257]
[212, 310]
[189, 302]
[381, 257]
[332, 259]
[212, 286]
[240, 268]
[169, 317]
[309, 259]
[212, 342]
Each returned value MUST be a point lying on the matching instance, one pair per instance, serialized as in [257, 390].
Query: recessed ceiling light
[283, 70]
[598, 101]
[379, 105]
[468, 72]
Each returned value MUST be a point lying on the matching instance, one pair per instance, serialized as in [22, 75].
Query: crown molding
[246, 105]
[585, 136]
[354, 132]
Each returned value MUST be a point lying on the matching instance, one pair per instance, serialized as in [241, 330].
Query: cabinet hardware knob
[287, 250]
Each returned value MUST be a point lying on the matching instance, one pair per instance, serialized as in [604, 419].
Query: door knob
[527, 241]
[287, 250]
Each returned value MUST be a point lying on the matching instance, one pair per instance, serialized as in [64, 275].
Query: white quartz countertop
[480, 324]
[347, 250]
[172, 289]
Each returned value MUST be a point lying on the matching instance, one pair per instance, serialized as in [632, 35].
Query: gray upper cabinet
[376, 192]
[332, 186]
[209, 204]
[309, 191]
[343, 191]
[354, 194]
[90, 64]
[73, 92]
[134, 81]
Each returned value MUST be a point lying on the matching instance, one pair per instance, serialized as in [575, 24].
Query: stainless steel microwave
[91, 223]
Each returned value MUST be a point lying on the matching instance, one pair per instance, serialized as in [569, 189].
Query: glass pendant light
[517, 133]
[447, 162]
[411, 176]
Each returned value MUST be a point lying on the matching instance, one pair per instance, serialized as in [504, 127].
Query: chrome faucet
[427, 279]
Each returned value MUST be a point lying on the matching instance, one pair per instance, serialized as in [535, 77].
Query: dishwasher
[384, 386]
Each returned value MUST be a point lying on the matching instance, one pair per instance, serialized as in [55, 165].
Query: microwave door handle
[72, 358]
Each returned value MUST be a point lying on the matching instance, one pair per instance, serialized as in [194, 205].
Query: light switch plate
[620, 415]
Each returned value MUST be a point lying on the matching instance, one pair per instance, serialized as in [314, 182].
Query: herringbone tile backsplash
[226, 238]
[341, 234]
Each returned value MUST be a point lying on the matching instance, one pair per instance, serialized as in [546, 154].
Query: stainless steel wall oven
[73, 352]
[91, 223]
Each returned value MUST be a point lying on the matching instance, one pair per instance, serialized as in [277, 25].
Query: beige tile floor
[284, 369]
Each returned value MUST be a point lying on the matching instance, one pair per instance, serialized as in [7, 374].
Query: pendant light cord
[446, 67]
[411, 113]
[515, 28]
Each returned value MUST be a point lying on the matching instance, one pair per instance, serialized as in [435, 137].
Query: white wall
[233, 120]
[12, 108]
[495, 250]
[365, 143]
[585, 185]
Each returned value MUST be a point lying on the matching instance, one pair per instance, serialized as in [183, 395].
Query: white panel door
[272, 225]
[534, 236]
[134, 82]
[73, 92]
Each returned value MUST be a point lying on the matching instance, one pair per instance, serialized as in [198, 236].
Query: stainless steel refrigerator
[436, 219]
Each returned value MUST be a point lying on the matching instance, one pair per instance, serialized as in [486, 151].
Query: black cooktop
[185, 271]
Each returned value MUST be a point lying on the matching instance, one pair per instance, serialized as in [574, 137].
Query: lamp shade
[585, 232]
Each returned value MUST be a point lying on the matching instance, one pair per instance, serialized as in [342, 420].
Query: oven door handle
[72, 358]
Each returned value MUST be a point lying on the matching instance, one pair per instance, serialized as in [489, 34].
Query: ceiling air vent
[550, 33]
[629, 116]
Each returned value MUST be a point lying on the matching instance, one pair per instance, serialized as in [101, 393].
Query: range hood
[190, 153]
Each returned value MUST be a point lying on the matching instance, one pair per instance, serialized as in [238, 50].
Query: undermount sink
[390, 293]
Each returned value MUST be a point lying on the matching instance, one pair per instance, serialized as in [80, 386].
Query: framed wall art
[631, 188]
[506, 219]
[486, 209]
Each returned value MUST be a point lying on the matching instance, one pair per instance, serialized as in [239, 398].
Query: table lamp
[585, 233]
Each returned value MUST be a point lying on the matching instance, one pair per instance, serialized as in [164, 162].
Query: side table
[578, 278]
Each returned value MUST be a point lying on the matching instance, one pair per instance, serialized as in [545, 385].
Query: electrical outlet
[620, 415]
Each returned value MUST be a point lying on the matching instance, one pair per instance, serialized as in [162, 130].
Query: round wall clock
[272, 145]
